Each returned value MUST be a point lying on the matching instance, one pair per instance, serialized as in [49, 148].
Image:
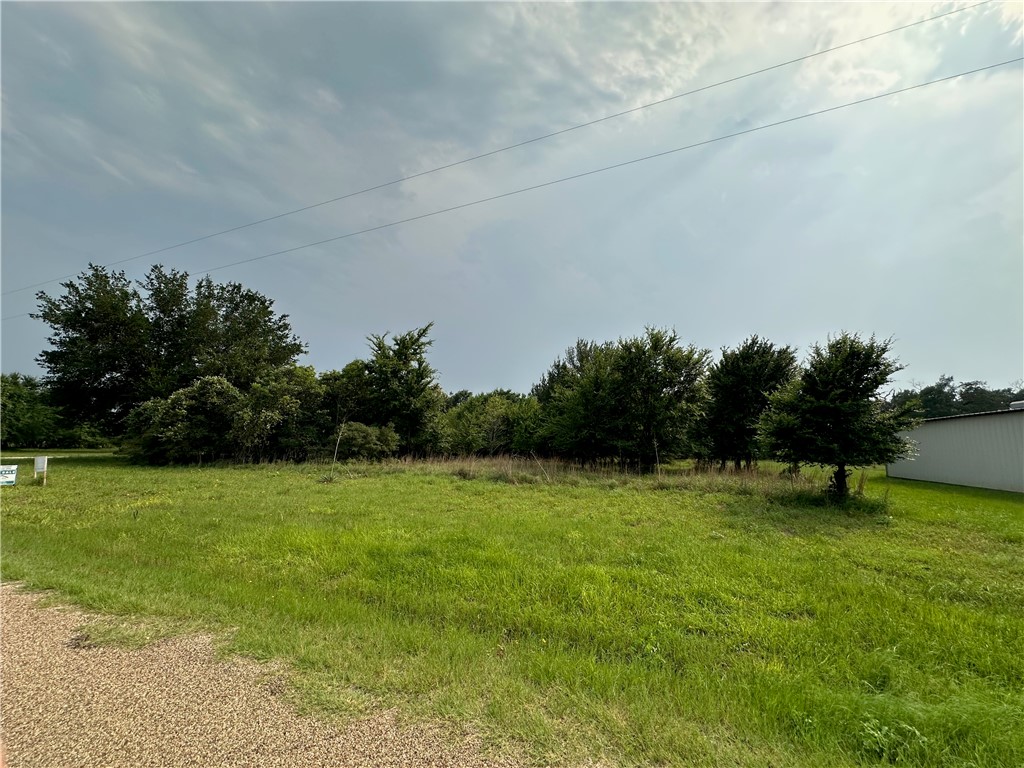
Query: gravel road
[174, 704]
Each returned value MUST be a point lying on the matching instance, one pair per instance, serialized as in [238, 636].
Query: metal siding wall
[980, 451]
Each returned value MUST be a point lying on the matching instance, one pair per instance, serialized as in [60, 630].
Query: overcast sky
[129, 127]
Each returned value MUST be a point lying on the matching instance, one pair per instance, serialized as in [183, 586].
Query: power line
[507, 148]
[616, 165]
[603, 169]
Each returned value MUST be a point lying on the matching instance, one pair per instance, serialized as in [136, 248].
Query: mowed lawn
[681, 620]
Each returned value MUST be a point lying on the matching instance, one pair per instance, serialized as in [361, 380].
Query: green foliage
[280, 416]
[347, 394]
[27, 420]
[499, 422]
[193, 425]
[360, 442]
[401, 389]
[633, 401]
[946, 398]
[243, 336]
[115, 344]
[738, 389]
[833, 415]
[98, 361]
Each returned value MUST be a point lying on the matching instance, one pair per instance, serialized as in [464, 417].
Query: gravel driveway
[173, 704]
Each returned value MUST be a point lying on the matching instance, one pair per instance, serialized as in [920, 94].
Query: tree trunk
[736, 464]
[840, 488]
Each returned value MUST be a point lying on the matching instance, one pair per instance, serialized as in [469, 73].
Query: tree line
[183, 375]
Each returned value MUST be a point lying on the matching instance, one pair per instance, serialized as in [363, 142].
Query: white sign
[40, 464]
[8, 474]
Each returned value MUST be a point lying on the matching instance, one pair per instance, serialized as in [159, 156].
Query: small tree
[632, 401]
[402, 389]
[833, 414]
[26, 417]
[193, 425]
[739, 386]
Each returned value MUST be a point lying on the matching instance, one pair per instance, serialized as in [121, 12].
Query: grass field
[683, 619]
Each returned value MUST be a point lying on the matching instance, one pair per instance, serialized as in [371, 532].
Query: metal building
[984, 450]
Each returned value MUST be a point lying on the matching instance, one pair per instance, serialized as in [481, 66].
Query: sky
[130, 127]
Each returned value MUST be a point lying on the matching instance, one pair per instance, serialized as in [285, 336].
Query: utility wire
[601, 170]
[507, 148]
[616, 165]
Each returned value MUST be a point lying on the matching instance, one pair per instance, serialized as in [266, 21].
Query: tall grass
[576, 613]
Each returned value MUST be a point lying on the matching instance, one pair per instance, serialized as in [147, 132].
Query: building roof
[969, 415]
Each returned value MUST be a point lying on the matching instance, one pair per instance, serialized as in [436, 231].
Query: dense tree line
[180, 374]
[946, 398]
[116, 344]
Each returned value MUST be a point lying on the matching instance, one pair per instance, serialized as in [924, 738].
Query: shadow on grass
[809, 513]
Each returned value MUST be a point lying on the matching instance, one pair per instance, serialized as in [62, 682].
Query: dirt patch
[66, 702]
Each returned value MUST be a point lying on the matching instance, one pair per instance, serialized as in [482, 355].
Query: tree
[486, 425]
[193, 425]
[976, 397]
[358, 441]
[658, 392]
[27, 420]
[347, 395]
[833, 415]
[632, 401]
[116, 344]
[939, 399]
[402, 388]
[98, 364]
[738, 389]
[577, 405]
[946, 398]
[243, 336]
[280, 416]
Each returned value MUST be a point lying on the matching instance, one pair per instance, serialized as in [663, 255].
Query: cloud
[146, 124]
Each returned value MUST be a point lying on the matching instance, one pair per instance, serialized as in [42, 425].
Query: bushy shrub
[358, 441]
[192, 425]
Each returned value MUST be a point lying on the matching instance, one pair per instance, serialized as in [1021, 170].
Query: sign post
[8, 474]
[40, 466]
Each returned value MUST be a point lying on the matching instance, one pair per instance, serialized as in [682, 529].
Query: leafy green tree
[243, 336]
[976, 397]
[175, 332]
[939, 399]
[27, 420]
[946, 398]
[98, 361]
[115, 344]
[658, 392]
[402, 389]
[359, 441]
[193, 425]
[739, 385]
[577, 404]
[632, 401]
[485, 425]
[280, 416]
[833, 415]
[347, 395]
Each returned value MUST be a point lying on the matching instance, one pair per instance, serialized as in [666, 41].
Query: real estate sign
[8, 474]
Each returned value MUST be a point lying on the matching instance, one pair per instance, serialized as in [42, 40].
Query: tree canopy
[632, 401]
[947, 398]
[739, 386]
[833, 414]
[116, 344]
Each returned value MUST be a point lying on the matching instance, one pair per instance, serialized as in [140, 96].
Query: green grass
[684, 619]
